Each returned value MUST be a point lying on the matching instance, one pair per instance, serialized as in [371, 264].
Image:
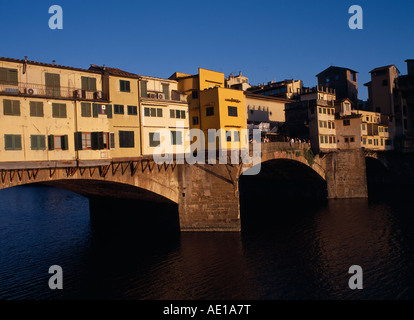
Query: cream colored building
[40, 108]
[163, 107]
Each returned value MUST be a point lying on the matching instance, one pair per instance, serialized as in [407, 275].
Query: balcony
[38, 90]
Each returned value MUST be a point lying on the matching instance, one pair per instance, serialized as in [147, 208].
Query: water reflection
[292, 250]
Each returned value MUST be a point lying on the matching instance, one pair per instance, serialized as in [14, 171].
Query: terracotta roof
[384, 68]
[36, 63]
[333, 67]
[114, 71]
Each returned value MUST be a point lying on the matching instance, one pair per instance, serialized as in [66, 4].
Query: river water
[294, 250]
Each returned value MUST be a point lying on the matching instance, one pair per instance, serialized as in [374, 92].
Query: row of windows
[327, 124]
[231, 111]
[326, 110]
[83, 141]
[37, 142]
[327, 139]
[176, 138]
[12, 107]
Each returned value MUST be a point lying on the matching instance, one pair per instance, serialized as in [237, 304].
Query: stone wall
[346, 174]
[208, 197]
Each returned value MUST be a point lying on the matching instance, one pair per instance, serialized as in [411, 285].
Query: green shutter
[51, 142]
[109, 110]
[112, 140]
[182, 114]
[78, 140]
[64, 142]
[95, 110]
[166, 91]
[94, 140]
[7, 107]
[144, 92]
[172, 113]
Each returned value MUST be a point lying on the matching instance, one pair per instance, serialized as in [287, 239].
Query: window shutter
[42, 142]
[12, 76]
[144, 93]
[64, 142]
[112, 140]
[51, 142]
[182, 114]
[33, 142]
[95, 110]
[7, 107]
[166, 91]
[94, 140]
[172, 113]
[78, 140]
[109, 110]
[8, 142]
[100, 140]
[3, 74]
[84, 83]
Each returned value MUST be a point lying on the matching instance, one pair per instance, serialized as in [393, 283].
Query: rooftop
[334, 67]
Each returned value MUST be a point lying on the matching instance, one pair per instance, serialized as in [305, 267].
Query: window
[320, 110]
[176, 138]
[194, 94]
[11, 107]
[126, 139]
[86, 140]
[182, 114]
[324, 110]
[364, 127]
[195, 120]
[52, 82]
[353, 74]
[38, 142]
[330, 139]
[118, 109]
[57, 142]
[146, 112]
[347, 122]
[209, 111]
[329, 125]
[364, 140]
[326, 139]
[369, 141]
[132, 110]
[166, 90]
[124, 86]
[320, 123]
[333, 124]
[232, 111]
[352, 139]
[336, 77]
[58, 110]
[144, 92]
[321, 138]
[9, 76]
[88, 84]
[236, 136]
[159, 112]
[325, 124]
[228, 136]
[154, 139]
[86, 109]
[346, 140]
[12, 142]
[36, 109]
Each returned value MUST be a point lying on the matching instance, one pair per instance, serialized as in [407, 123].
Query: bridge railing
[281, 146]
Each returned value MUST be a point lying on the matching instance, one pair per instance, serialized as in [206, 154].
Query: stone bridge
[207, 194]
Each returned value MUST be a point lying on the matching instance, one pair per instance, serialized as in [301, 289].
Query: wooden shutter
[166, 90]
[52, 81]
[95, 110]
[78, 140]
[112, 140]
[144, 92]
[51, 142]
[94, 140]
[100, 140]
[109, 111]
[64, 142]
[7, 107]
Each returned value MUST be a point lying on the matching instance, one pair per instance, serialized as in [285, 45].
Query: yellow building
[163, 107]
[374, 131]
[123, 112]
[214, 107]
[40, 110]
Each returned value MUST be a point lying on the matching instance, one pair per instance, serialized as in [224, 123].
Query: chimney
[53, 62]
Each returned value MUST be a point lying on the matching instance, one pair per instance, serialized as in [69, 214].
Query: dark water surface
[294, 250]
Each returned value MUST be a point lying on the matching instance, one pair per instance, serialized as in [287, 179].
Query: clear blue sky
[266, 40]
